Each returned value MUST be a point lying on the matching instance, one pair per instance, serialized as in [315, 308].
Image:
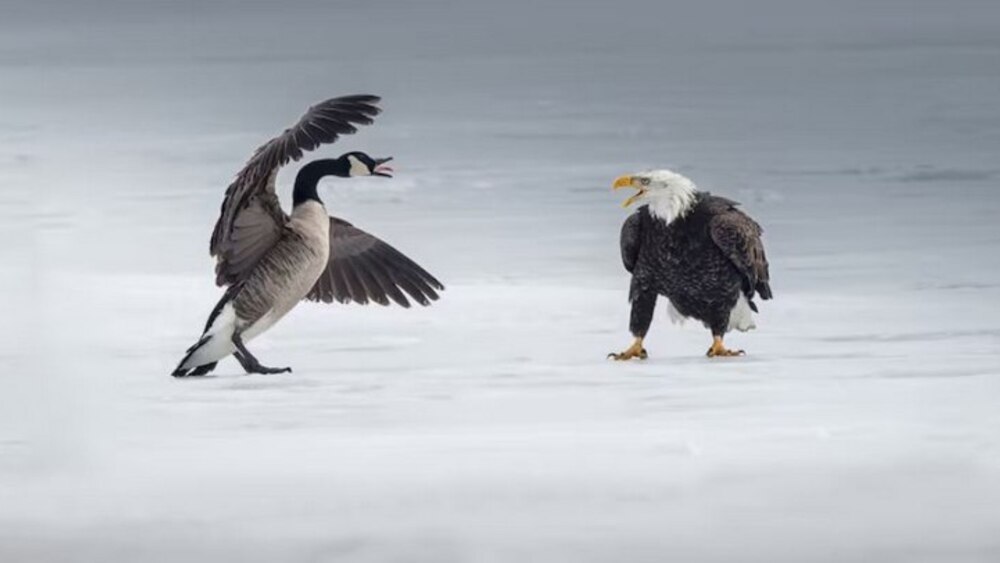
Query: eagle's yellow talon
[719, 351]
[634, 351]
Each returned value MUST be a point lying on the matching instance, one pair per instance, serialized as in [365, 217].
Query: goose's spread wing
[738, 236]
[251, 217]
[363, 268]
[630, 240]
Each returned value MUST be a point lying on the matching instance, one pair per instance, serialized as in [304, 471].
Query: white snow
[862, 425]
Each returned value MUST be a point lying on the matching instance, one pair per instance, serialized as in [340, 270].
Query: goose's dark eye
[644, 181]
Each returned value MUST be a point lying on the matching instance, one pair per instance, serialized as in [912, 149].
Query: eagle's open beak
[626, 182]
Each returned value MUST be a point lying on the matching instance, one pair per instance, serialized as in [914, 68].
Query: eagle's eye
[644, 181]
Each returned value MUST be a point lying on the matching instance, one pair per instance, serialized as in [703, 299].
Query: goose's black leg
[250, 363]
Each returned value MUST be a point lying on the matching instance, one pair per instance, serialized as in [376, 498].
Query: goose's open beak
[381, 169]
[626, 182]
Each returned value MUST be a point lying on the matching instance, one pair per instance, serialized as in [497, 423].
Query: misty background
[864, 136]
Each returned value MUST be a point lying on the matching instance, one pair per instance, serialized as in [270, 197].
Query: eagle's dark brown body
[701, 261]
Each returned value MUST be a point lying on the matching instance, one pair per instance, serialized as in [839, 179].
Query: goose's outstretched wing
[364, 268]
[251, 218]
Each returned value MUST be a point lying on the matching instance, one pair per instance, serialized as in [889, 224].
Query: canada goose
[271, 260]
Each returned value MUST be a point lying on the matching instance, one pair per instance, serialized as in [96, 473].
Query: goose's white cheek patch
[357, 167]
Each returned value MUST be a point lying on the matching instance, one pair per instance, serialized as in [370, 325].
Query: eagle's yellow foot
[634, 351]
[719, 351]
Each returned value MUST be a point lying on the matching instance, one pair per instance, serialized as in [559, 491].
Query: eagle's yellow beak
[625, 182]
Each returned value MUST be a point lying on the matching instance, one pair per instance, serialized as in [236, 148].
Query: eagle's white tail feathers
[741, 316]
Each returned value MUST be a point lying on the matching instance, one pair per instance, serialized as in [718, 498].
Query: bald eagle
[697, 250]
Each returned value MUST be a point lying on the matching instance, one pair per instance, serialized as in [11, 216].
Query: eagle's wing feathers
[251, 218]
[363, 268]
[631, 240]
[738, 236]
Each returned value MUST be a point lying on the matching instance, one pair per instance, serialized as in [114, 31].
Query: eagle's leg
[719, 351]
[249, 362]
[643, 305]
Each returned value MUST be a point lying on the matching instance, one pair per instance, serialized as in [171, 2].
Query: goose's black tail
[200, 370]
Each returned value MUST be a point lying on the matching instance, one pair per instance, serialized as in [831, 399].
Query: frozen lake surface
[863, 424]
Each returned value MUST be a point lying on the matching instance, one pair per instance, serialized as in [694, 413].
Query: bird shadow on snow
[239, 380]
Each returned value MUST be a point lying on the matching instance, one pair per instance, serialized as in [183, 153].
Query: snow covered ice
[863, 424]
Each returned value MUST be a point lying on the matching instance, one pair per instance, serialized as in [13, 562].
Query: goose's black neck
[310, 175]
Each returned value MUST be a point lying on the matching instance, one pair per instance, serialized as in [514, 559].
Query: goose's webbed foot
[250, 363]
[261, 369]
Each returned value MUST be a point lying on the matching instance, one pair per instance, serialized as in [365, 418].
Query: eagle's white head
[669, 195]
